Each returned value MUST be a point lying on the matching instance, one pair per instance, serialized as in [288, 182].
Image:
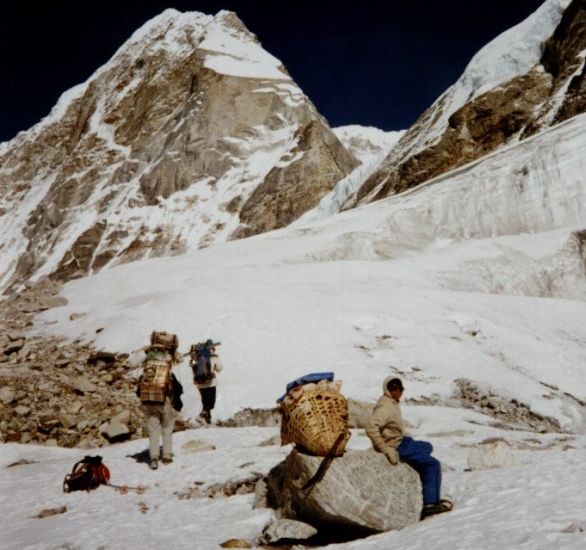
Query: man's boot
[444, 505]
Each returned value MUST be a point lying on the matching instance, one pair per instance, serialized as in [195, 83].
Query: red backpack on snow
[87, 474]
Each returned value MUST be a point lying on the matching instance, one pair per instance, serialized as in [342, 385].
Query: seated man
[385, 430]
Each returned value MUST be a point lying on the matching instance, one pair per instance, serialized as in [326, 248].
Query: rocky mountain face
[191, 134]
[529, 78]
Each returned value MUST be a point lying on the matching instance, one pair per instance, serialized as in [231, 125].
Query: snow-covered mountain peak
[525, 80]
[161, 24]
[512, 53]
[191, 134]
[233, 50]
[367, 142]
[231, 47]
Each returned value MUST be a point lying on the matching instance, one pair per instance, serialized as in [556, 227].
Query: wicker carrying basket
[315, 421]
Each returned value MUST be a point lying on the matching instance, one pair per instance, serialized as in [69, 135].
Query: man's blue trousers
[418, 455]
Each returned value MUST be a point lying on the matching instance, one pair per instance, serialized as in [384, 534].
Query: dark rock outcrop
[552, 91]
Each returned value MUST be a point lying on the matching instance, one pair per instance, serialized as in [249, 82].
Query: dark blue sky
[370, 62]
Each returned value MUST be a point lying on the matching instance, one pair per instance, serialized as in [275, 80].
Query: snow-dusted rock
[195, 446]
[22, 410]
[359, 490]
[495, 454]
[83, 385]
[13, 347]
[286, 529]
[68, 421]
[6, 395]
[117, 428]
[115, 431]
[122, 417]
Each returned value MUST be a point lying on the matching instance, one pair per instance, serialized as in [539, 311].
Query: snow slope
[537, 503]
[391, 287]
[477, 275]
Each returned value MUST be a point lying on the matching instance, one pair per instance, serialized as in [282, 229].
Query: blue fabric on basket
[307, 379]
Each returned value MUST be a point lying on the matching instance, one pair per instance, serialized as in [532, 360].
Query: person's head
[211, 345]
[395, 387]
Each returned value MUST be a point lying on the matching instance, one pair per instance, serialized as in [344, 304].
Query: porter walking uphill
[206, 366]
[159, 392]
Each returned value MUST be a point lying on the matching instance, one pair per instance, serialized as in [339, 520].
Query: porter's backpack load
[316, 419]
[155, 383]
[165, 340]
[87, 474]
[201, 361]
[201, 364]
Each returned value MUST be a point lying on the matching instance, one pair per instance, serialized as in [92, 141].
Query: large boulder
[359, 490]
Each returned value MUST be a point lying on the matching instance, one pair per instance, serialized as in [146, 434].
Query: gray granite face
[359, 490]
[157, 129]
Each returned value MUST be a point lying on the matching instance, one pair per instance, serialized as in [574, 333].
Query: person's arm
[374, 429]
[379, 419]
[217, 364]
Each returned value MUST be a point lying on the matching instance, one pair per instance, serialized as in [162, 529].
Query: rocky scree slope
[55, 392]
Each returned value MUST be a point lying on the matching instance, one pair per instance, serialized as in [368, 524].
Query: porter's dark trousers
[208, 399]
